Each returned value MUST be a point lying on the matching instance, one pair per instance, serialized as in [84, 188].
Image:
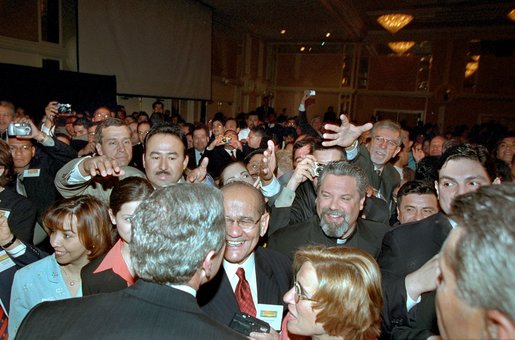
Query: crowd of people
[322, 228]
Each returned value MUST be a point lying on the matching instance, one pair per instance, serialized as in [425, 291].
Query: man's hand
[273, 335]
[35, 132]
[268, 164]
[100, 165]
[423, 279]
[216, 142]
[198, 174]
[345, 134]
[5, 232]
[303, 171]
[50, 113]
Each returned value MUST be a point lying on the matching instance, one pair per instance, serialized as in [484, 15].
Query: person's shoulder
[272, 255]
[433, 222]
[300, 228]
[40, 266]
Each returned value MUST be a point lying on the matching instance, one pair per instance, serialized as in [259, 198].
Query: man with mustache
[341, 190]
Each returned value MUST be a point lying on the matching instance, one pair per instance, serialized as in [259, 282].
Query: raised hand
[100, 166]
[345, 134]
[198, 174]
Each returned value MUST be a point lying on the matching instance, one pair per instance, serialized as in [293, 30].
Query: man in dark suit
[341, 193]
[177, 245]
[268, 273]
[407, 260]
[200, 142]
[222, 155]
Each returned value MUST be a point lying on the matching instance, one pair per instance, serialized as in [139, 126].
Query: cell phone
[245, 324]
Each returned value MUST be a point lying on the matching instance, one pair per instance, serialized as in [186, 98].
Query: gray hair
[174, 230]
[344, 168]
[483, 257]
[99, 132]
[390, 125]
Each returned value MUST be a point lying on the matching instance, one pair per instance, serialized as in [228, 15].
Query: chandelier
[511, 15]
[394, 22]
[400, 47]
[472, 66]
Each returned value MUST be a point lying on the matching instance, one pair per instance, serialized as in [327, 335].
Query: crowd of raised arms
[262, 226]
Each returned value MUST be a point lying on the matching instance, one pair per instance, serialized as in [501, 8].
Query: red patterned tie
[3, 324]
[243, 294]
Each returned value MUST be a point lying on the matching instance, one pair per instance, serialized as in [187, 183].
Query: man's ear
[211, 264]
[98, 146]
[502, 325]
[263, 224]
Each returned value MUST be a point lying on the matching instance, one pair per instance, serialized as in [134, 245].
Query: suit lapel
[268, 291]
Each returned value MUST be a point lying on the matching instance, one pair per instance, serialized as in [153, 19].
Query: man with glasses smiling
[266, 273]
[374, 157]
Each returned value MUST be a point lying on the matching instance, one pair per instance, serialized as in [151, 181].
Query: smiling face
[457, 177]
[301, 315]
[67, 245]
[164, 160]
[245, 225]
[236, 172]
[383, 146]
[338, 205]
[415, 207]
[116, 144]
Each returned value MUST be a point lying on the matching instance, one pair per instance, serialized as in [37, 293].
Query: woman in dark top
[21, 215]
[113, 270]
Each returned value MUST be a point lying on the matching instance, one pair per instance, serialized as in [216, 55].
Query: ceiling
[308, 21]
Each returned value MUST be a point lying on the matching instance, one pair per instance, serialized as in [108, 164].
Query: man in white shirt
[266, 272]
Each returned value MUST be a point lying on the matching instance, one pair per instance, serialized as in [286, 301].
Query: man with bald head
[266, 272]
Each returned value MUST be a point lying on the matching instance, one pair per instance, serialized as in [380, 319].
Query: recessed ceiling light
[309, 49]
[283, 31]
[323, 43]
[328, 34]
[302, 49]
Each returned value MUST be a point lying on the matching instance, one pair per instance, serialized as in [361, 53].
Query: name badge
[273, 314]
[5, 261]
[31, 173]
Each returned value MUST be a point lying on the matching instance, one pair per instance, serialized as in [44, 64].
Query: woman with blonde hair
[336, 295]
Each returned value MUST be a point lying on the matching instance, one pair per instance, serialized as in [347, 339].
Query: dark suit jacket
[273, 276]
[405, 249]
[219, 159]
[385, 183]
[32, 254]
[137, 157]
[105, 281]
[191, 158]
[143, 311]
[367, 236]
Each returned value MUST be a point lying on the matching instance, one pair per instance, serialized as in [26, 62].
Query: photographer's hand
[50, 114]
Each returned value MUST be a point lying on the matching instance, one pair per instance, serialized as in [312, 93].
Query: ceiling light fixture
[302, 49]
[328, 34]
[394, 22]
[400, 47]
[283, 31]
[511, 15]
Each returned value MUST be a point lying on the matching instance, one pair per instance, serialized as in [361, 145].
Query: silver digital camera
[317, 170]
[64, 108]
[19, 129]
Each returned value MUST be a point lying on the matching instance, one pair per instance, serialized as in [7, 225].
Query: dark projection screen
[154, 48]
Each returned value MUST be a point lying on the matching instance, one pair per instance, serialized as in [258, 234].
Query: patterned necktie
[243, 294]
[3, 324]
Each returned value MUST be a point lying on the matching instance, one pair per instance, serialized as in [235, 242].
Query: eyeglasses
[299, 295]
[245, 223]
[391, 144]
